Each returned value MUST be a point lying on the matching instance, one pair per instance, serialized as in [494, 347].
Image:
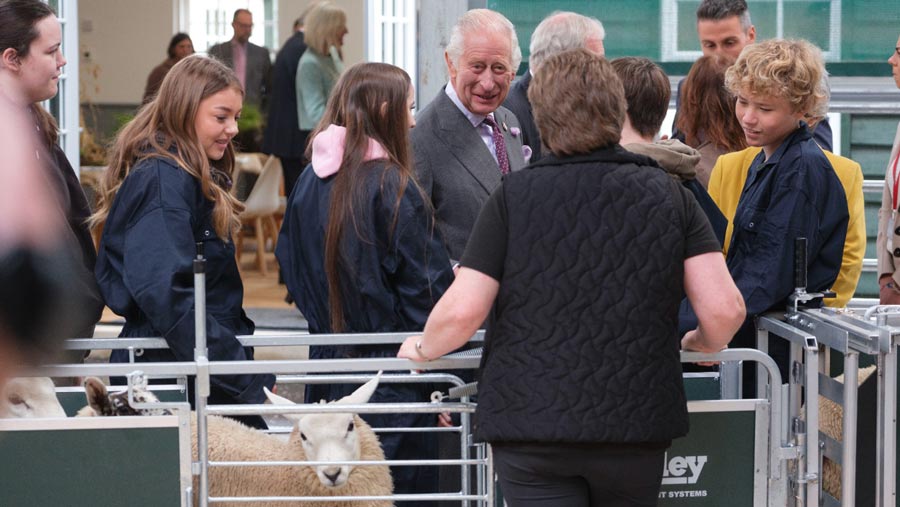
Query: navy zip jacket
[145, 273]
[389, 283]
[795, 193]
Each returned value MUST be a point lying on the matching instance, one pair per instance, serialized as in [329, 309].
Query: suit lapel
[466, 144]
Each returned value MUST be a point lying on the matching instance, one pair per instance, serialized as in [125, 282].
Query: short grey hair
[717, 10]
[561, 31]
[482, 20]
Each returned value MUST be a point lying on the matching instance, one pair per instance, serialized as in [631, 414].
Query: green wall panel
[868, 28]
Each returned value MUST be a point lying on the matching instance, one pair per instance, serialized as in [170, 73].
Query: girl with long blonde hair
[165, 194]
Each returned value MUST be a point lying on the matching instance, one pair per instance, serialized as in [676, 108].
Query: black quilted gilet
[583, 345]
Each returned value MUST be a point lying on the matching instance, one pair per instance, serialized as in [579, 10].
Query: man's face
[243, 27]
[484, 71]
[724, 36]
[894, 60]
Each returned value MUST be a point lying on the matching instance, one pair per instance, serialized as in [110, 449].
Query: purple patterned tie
[499, 145]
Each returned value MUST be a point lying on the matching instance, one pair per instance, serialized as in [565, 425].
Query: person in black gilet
[584, 257]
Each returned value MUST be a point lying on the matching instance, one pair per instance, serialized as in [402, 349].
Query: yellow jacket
[726, 182]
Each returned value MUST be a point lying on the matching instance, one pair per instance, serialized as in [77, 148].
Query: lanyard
[896, 181]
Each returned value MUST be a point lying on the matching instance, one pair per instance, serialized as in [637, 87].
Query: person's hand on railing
[445, 420]
[693, 342]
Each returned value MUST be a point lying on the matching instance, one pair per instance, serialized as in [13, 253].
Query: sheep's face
[330, 437]
[29, 397]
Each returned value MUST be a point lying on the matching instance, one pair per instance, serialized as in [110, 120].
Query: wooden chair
[259, 210]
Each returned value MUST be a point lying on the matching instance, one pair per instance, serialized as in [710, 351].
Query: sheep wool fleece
[583, 344]
[232, 441]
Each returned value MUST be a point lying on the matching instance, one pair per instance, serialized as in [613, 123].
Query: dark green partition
[714, 465]
[108, 467]
[702, 386]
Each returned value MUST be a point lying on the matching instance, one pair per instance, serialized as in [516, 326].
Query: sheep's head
[28, 397]
[102, 403]
[331, 437]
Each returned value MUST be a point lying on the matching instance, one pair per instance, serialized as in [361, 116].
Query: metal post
[730, 380]
[886, 475]
[201, 381]
[762, 344]
[464, 436]
[489, 472]
[813, 474]
[851, 397]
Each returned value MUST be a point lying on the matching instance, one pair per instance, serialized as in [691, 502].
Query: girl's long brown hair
[370, 101]
[165, 128]
[707, 107]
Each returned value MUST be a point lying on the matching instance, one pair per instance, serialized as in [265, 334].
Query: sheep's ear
[274, 399]
[97, 396]
[362, 394]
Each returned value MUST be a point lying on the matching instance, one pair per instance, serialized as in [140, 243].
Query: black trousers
[579, 475]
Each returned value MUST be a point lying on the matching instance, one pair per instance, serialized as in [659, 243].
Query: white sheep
[29, 397]
[315, 437]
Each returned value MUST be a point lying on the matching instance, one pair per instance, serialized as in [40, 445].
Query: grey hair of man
[562, 31]
[481, 21]
[717, 10]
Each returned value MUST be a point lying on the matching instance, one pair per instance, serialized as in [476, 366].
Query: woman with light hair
[321, 63]
[581, 391]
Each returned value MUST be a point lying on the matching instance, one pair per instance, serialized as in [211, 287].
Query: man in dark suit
[250, 62]
[283, 137]
[464, 141]
[558, 32]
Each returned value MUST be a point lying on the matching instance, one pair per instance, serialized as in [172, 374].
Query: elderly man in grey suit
[558, 32]
[464, 141]
[250, 62]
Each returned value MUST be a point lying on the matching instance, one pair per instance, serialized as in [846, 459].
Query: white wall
[125, 39]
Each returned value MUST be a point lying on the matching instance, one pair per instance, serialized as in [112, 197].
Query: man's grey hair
[717, 10]
[480, 21]
[560, 32]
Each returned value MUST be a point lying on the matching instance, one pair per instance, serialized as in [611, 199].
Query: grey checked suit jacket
[456, 169]
[258, 80]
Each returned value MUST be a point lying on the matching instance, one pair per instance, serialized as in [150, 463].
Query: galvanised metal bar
[275, 340]
[316, 408]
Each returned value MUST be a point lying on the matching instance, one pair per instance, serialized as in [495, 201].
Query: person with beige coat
[888, 245]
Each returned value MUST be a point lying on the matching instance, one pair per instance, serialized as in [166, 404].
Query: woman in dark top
[584, 257]
[166, 190]
[179, 47]
[358, 248]
[30, 45]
